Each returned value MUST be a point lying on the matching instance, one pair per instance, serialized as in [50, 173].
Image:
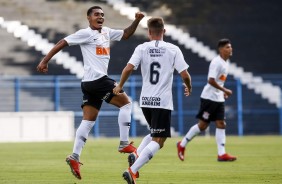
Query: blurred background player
[212, 103]
[96, 86]
[158, 60]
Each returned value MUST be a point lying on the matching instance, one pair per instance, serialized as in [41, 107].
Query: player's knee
[127, 106]
[202, 125]
[160, 141]
[90, 113]
[220, 124]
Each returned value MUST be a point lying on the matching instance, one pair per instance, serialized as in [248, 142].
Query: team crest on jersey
[106, 36]
[206, 115]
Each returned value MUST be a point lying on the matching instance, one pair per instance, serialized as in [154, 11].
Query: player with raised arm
[212, 104]
[158, 60]
[96, 86]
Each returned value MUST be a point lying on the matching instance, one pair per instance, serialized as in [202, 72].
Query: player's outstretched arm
[43, 65]
[131, 29]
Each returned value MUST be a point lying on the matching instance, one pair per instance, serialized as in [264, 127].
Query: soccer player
[96, 86]
[158, 60]
[212, 103]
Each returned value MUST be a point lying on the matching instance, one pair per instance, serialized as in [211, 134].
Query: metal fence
[246, 112]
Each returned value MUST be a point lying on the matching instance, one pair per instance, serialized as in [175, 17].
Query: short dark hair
[222, 42]
[89, 11]
[156, 24]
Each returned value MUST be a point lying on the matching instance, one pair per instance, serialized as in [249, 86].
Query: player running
[212, 104]
[158, 60]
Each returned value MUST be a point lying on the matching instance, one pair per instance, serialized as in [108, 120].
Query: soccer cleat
[226, 157]
[180, 151]
[129, 176]
[128, 148]
[132, 157]
[74, 166]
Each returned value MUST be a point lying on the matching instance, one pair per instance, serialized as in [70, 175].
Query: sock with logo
[220, 140]
[124, 120]
[194, 130]
[81, 137]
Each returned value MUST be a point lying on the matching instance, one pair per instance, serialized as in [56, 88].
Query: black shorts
[211, 111]
[94, 92]
[158, 120]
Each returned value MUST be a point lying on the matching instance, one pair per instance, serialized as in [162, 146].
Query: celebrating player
[96, 86]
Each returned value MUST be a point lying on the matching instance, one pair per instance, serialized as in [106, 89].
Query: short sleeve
[115, 34]
[79, 37]
[136, 57]
[213, 70]
[180, 63]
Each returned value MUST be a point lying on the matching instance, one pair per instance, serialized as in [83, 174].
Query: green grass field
[259, 161]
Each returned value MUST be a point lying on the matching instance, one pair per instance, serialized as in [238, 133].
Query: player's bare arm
[43, 65]
[187, 82]
[126, 72]
[227, 92]
[131, 29]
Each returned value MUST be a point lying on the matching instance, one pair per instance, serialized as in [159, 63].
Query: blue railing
[240, 108]
[64, 93]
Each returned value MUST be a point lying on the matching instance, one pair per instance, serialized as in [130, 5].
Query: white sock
[82, 135]
[124, 120]
[220, 140]
[194, 130]
[145, 141]
[148, 152]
